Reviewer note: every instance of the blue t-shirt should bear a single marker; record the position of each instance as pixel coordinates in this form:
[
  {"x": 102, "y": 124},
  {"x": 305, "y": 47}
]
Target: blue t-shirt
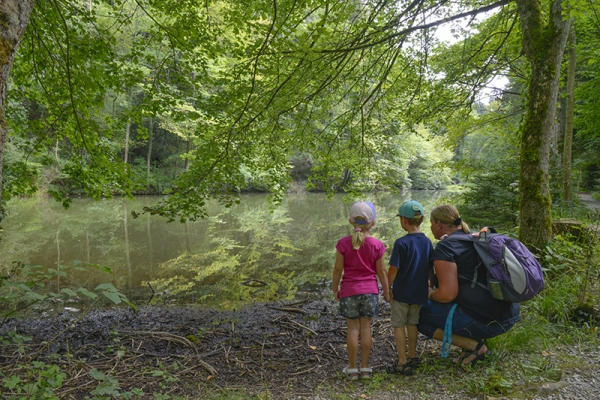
[
  {"x": 412, "y": 255},
  {"x": 475, "y": 301}
]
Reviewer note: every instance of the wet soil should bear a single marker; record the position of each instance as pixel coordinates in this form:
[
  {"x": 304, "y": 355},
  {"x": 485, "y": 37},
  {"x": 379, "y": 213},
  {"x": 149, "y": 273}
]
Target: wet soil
[
  {"x": 264, "y": 351},
  {"x": 287, "y": 349}
]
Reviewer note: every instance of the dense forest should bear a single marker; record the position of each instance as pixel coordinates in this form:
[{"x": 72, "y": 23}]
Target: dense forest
[{"x": 206, "y": 99}]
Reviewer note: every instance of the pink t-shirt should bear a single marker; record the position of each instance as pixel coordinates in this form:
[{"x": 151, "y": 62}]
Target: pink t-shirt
[{"x": 360, "y": 273}]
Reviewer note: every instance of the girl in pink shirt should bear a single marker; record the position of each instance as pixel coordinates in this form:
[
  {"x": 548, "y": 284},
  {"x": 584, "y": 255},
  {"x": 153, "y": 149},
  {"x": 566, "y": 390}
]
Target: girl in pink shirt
[{"x": 360, "y": 259}]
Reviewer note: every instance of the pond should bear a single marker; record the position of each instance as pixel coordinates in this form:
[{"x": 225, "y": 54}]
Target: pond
[{"x": 235, "y": 256}]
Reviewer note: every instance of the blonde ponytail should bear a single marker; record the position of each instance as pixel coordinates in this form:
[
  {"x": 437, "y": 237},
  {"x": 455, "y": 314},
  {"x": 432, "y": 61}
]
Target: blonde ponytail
[{"x": 359, "y": 234}]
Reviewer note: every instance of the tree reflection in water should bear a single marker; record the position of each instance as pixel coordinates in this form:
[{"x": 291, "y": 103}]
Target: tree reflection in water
[{"x": 289, "y": 248}]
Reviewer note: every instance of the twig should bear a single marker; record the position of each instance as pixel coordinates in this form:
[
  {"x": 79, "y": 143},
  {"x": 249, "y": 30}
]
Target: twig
[
  {"x": 333, "y": 348},
  {"x": 304, "y": 372},
  {"x": 288, "y": 309},
  {"x": 302, "y": 326}
]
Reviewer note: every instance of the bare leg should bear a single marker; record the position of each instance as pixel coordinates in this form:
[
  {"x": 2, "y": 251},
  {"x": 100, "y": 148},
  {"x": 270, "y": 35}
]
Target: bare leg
[
  {"x": 400, "y": 336},
  {"x": 366, "y": 340},
  {"x": 464, "y": 343},
  {"x": 412, "y": 340},
  {"x": 352, "y": 341}
]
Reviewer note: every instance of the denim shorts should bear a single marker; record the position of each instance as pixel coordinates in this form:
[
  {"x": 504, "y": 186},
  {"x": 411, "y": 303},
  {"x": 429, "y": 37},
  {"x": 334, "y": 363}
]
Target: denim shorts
[
  {"x": 360, "y": 305},
  {"x": 433, "y": 316}
]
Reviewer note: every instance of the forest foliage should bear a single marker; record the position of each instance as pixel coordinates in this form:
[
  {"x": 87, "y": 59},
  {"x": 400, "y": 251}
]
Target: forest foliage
[{"x": 218, "y": 97}]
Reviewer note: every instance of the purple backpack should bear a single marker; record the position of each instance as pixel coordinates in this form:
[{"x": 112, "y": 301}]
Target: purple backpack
[{"x": 514, "y": 274}]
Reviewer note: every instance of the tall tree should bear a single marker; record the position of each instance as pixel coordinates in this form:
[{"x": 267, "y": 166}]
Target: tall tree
[
  {"x": 277, "y": 77},
  {"x": 14, "y": 15},
  {"x": 567, "y": 161},
  {"x": 544, "y": 38}
]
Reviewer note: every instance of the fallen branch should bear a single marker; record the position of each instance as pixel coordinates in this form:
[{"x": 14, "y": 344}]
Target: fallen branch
[
  {"x": 304, "y": 372},
  {"x": 304, "y": 327},
  {"x": 288, "y": 309}
]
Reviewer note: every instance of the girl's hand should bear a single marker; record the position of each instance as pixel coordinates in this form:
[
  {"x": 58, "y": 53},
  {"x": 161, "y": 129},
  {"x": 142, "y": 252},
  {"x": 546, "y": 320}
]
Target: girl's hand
[
  {"x": 388, "y": 297},
  {"x": 336, "y": 294}
]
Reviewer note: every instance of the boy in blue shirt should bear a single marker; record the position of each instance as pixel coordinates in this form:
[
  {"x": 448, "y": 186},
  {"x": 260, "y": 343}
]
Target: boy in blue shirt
[{"x": 409, "y": 273}]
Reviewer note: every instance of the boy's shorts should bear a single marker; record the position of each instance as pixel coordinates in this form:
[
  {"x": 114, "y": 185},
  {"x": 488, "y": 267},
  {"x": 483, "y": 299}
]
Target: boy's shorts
[
  {"x": 360, "y": 305},
  {"x": 404, "y": 314}
]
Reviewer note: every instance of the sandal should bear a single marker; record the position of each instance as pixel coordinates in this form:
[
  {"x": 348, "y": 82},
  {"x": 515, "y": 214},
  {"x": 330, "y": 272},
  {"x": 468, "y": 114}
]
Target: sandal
[
  {"x": 351, "y": 373},
  {"x": 478, "y": 357},
  {"x": 415, "y": 362},
  {"x": 366, "y": 373},
  {"x": 406, "y": 369}
]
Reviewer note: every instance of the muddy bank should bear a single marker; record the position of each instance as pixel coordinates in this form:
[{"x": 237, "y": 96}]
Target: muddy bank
[
  {"x": 274, "y": 350},
  {"x": 287, "y": 349}
]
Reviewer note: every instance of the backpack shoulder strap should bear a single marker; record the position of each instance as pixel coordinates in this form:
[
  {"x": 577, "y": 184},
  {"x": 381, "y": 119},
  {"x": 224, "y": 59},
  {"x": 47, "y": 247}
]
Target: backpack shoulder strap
[{"x": 474, "y": 239}]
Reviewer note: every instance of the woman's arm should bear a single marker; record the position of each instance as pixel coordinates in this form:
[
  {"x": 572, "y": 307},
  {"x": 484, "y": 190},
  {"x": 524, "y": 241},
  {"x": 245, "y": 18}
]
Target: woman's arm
[
  {"x": 383, "y": 278},
  {"x": 338, "y": 268},
  {"x": 447, "y": 276}
]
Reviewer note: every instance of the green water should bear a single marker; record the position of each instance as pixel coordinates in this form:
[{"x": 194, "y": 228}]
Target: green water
[{"x": 237, "y": 255}]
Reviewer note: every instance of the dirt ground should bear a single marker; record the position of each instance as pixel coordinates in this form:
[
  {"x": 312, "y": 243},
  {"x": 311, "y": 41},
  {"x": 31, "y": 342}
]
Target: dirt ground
[
  {"x": 264, "y": 351},
  {"x": 288, "y": 349},
  {"x": 258, "y": 347}
]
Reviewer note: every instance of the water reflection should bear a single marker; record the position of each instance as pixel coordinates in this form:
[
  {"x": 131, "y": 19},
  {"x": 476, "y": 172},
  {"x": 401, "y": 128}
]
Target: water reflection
[{"x": 291, "y": 248}]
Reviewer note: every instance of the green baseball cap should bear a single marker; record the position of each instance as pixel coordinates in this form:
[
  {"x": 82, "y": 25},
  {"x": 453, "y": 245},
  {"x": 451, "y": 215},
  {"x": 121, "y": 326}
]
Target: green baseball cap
[{"x": 411, "y": 209}]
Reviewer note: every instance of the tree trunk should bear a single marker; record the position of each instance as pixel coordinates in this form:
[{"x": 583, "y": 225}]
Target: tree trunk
[
  {"x": 127, "y": 132},
  {"x": 149, "y": 155},
  {"x": 543, "y": 45},
  {"x": 14, "y": 15},
  {"x": 188, "y": 145},
  {"x": 568, "y": 140}
]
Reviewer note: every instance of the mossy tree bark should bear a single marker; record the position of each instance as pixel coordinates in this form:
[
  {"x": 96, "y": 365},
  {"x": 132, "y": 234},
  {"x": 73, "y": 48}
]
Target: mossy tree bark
[
  {"x": 568, "y": 141},
  {"x": 14, "y": 16},
  {"x": 544, "y": 40}
]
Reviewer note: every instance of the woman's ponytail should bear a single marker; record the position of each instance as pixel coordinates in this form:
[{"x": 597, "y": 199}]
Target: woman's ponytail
[{"x": 449, "y": 216}]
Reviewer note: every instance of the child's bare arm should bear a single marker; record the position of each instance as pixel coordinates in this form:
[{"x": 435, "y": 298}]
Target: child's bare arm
[
  {"x": 338, "y": 268},
  {"x": 392, "y": 272},
  {"x": 383, "y": 278}
]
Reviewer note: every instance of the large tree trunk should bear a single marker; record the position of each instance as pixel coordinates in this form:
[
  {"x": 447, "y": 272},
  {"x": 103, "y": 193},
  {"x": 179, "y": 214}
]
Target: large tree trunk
[
  {"x": 543, "y": 44},
  {"x": 568, "y": 140},
  {"x": 14, "y": 16}
]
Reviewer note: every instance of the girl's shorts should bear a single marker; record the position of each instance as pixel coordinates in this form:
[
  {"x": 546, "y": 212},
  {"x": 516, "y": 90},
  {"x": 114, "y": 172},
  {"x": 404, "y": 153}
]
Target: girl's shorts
[{"x": 360, "y": 305}]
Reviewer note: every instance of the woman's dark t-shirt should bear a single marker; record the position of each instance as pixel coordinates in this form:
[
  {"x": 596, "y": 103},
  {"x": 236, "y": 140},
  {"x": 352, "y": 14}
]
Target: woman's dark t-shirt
[{"x": 475, "y": 301}]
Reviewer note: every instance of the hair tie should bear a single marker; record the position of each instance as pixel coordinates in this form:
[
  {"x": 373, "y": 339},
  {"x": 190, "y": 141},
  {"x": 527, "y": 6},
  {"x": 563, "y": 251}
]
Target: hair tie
[
  {"x": 457, "y": 221},
  {"x": 357, "y": 229}
]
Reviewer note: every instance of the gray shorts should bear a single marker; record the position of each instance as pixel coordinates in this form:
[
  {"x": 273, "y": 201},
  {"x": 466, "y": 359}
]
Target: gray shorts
[
  {"x": 361, "y": 305},
  {"x": 404, "y": 314}
]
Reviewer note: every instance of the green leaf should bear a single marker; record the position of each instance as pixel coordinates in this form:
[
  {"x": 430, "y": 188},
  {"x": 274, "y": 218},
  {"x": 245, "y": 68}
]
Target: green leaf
[
  {"x": 112, "y": 296},
  {"x": 87, "y": 293},
  {"x": 106, "y": 286},
  {"x": 11, "y": 382},
  {"x": 97, "y": 375},
  {"x": 69, "y": 292}
]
